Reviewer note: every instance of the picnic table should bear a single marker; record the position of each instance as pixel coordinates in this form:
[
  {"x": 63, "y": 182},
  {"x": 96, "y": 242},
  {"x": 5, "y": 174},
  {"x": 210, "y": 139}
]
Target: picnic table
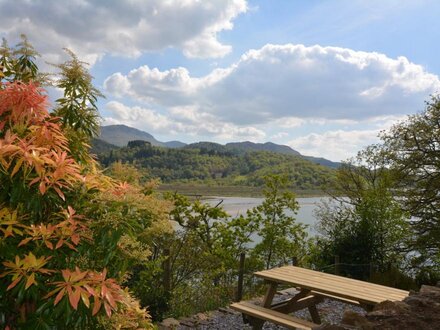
[{"x": 313, "y": 287}]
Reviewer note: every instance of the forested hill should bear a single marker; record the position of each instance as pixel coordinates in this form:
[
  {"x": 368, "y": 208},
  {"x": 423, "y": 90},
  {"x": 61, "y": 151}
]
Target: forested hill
[
  {"x": 211, "y": 163},
  {"x": 120, "y": 135}
]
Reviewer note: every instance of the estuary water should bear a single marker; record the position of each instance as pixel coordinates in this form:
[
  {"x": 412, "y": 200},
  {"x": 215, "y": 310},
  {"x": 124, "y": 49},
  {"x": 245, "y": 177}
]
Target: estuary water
[{"x": 239, "y": 205}]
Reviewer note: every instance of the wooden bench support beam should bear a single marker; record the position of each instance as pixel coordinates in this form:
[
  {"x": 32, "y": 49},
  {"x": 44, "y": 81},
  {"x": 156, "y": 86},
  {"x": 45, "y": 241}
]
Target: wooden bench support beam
[
  {"x": 314, "y": 314},
  {"x": 286, "y": 307}
]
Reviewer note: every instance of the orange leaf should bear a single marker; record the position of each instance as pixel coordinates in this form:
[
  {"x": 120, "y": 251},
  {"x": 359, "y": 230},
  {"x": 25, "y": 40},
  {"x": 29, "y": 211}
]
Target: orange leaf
[
  {"x": 85, "y": 298},
  {"x": 25, "y": 241},
  {"x": 75, "y": 239},
  {"x": 49, "y": 244},
  {"x": 30, "y": 281},
  {"x": 59, "y": 244},
  {"x": 42, "y": 188},
  {"x": 108, "y": 309},
  {"x": 74, "y": 298},
  {"x": 59, "y": 296},
  {"x": 18, "y": 279},
  {"x": 60, "y": 193},
  {"x": 96, "y": 306},
  {"x": 16, "y": 167},
  {"x": 110, "y": 299},
  {"x": 34, "y": 181}
]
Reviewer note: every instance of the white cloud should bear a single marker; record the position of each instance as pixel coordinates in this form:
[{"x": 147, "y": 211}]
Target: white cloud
[
  {"x": 289, "y": 83},
  {"x": 93, "y": 28},
  {"x": 180, "y": 120},
  {"x": 334, "y": 145}
]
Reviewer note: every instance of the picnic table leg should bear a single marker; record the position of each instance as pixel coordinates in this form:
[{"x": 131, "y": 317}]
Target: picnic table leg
[
  {"x": 314, "y": 314},
  {"x": 257, "y": 324}
]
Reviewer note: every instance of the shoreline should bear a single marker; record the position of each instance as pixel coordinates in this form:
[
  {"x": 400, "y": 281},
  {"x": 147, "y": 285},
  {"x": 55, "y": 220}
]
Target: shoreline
[{"x": 196, "y": 190}]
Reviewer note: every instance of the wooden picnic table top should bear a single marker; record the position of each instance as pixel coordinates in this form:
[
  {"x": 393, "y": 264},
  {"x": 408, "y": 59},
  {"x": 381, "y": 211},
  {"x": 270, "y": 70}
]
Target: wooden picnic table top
[{"x": 333, "y": 285}]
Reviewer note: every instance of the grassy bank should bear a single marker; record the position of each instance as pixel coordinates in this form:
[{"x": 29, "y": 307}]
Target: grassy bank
[{"x": 233, "y": 191}]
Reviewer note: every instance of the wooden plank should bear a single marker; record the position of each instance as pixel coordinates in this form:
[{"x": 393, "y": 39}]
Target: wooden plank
[
  {"x": 299, "y": 277},
  {"x": 360, "y": 296},
  {"x": 341, "y": 281},
  {"x": 326, "y": 295},
  {"x": 267, "y": 314},
  {"x": 352, "y": 287},
  {"x": 331, "y": 277},
  {"x": 318, "y": 284}
]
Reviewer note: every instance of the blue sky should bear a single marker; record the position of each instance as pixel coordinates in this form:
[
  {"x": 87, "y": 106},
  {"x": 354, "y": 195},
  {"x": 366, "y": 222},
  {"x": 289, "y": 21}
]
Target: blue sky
[{"x": 323, "y": 77}]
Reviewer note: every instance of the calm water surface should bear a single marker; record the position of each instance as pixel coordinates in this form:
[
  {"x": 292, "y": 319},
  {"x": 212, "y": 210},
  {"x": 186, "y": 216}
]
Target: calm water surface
[{"x": 238, "y": 205}]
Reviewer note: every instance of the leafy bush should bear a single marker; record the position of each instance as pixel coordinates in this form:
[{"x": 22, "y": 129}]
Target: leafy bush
[{"x": 55, "y": 269}]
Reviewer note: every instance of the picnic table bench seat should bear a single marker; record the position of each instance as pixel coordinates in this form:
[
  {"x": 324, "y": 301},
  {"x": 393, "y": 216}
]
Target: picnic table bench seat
[{"x": 259, "y": 312}]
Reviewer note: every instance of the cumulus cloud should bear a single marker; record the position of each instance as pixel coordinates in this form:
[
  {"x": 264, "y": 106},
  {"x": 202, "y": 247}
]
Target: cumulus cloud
[
  {"x": 180, "y": 120},
  {"x": 289, "y": 83},
  {"x": 334, "y": 145},
  {"x": 93, "y": 28}
]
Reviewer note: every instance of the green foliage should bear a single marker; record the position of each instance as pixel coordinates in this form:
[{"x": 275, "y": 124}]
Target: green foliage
[
  {"x": 281, "y": 236},
  {"x": 224, "y": 167},
  {"x": 413, "y": 151},
  {"x": 204, "y": 250},
  {"x": 366, "y": 225},
  {"x": 18, "y": 64},
  {"x": 77, "y": 108}
]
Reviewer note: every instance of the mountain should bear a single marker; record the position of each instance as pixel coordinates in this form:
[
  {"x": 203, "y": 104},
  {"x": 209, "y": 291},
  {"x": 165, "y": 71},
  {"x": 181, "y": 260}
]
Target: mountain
[{"x": 120, "y": 135}]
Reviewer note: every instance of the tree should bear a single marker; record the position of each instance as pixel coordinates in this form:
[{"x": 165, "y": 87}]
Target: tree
[
  {"x": 281, "y": 236},
  {"x": 363, "y": 223},
  {"x": 413, "y": 150}
]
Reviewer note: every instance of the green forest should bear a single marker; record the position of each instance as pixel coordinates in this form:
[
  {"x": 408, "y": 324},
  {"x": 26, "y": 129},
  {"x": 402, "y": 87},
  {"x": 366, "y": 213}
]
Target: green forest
[
  {"x": 213, "y": 164},
  {"x": 88, "y": 245}
]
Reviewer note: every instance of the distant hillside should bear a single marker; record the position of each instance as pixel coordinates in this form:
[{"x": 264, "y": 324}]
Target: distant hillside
[
  {"x": 268, "y": 146},
  {"x": 100, "y": 146},
  {"x": 214, "y": 164},
  {"x": 120, "y": 135},
  {"x": 174, "y": 144},
  {"x": 243, "y": 147}
]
